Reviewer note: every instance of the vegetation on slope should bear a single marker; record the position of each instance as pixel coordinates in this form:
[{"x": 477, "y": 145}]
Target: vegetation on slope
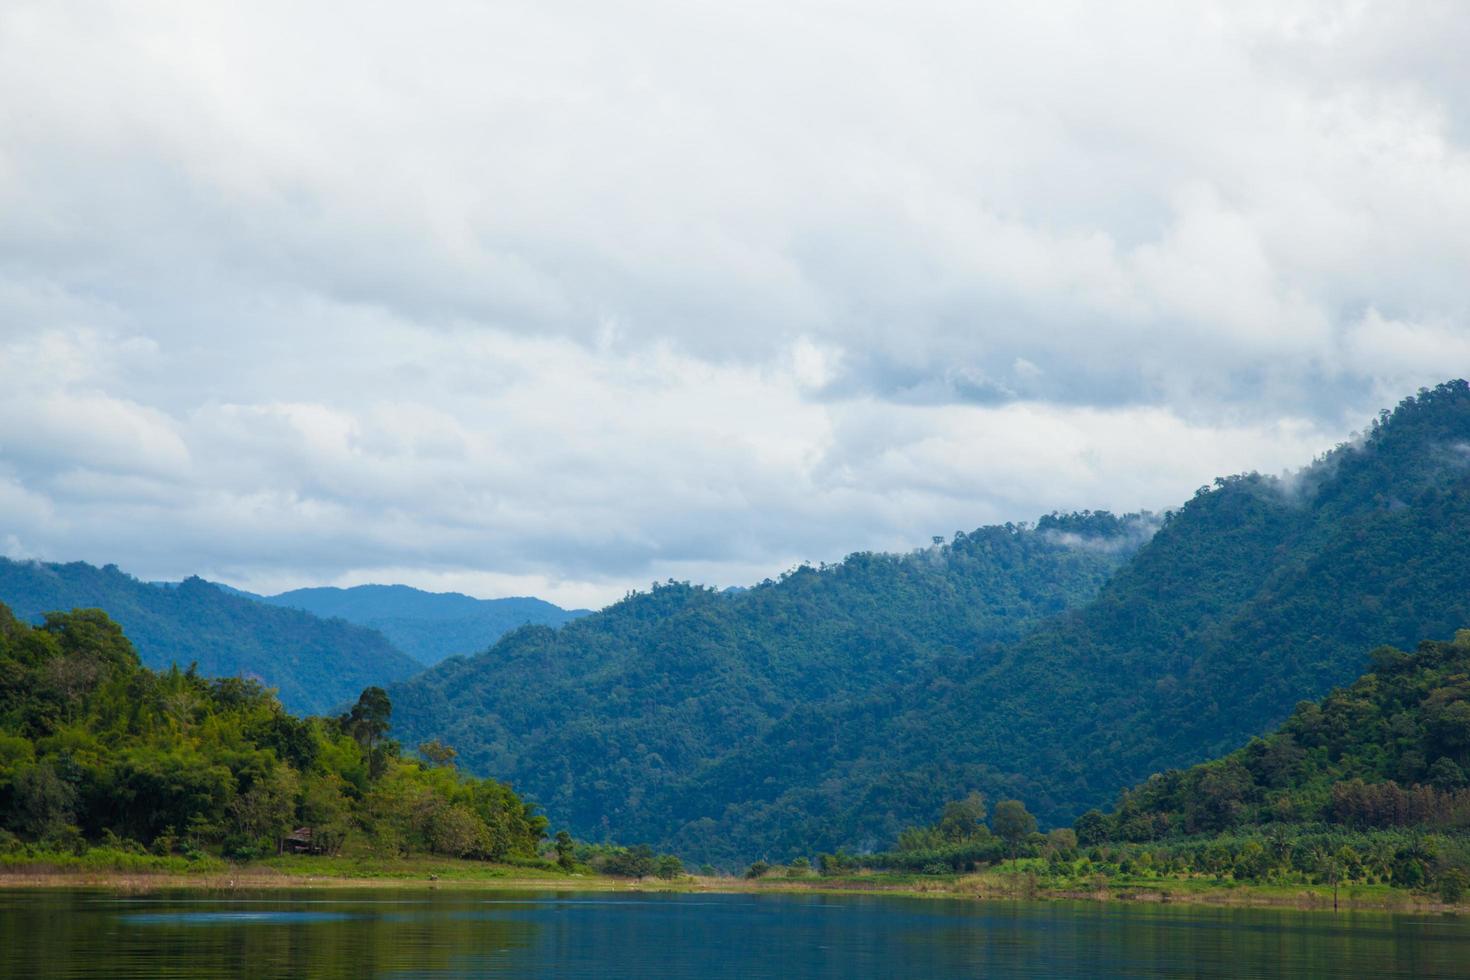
[
  {"x": 96, "y": 749},
  {"x": 605, "y": 719},
  {"x": 315, "y": 665},
  {"x": 1255, "y": 595},
  {"x": 1390, "y": 750},
  {"x": 1366, "y": 787},
  {"x": 837, "y": 706}
]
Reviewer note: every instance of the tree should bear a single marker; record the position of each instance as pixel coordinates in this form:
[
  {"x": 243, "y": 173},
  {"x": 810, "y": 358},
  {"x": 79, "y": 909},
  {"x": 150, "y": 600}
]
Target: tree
[
  {"x": 564, "y": 848},
  {"x": 963, "y": 819},
  {"x": 1012, "y": 823},
  {"x": 436, "y": 753},
  {"x": 91, "y": 633},
  {"x": 638, "y": 861},
  {"x": 1092, "y": 828},
  {"x": 326, "y": 811},
  {"x": 1452, "y": 882},
  {"x": 44, "y": 801},
  {"x": 367, "y": 722},
  {"x": 1445, "y": 775},
  {"x": 456, "y": 830},
  {"x": 1331, "y": 865}
]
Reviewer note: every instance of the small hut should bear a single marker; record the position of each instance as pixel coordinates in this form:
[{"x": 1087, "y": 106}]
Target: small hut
[{"x": 298, "y": 841}]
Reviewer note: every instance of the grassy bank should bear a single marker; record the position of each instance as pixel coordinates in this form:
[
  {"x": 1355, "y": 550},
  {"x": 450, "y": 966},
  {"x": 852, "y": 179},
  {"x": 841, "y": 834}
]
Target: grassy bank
[
  {"x": 1001, "y": 885},
  {"x": 100, "y": 868}
]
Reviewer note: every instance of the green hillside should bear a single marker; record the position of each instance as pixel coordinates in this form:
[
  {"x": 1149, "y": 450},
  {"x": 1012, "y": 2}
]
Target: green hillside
[
  {"x": 1366, "y": 786},
  {"x": 839, "y": 705},
  {"x": 96, "y": 749},
  {"x": 1392, "y": 749},
  {"x": 599, "y": 721},
  {"x": 316, "y": 665},
  {"x": 1255, "y": 595}
]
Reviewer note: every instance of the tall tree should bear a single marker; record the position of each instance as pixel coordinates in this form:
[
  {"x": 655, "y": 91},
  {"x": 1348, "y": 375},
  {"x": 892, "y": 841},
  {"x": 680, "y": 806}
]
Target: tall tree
[
  {"x": 963, "y": 819},
  {"x": 1012, "y": 823},
  {"x": 368, "y": 722}
]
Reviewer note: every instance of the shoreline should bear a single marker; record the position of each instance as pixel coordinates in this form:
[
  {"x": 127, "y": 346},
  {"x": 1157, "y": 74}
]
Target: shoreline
[{"x": 976, "y": 887}]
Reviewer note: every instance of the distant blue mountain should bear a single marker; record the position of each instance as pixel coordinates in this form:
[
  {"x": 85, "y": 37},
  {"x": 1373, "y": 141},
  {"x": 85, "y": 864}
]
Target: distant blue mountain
[
  {"x": 314, "y": 664},
  {"x": 428, "y": 626}
]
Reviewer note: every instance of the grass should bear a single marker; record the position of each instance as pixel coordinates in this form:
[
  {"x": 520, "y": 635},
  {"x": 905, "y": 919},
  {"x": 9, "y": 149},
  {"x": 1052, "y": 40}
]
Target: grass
[
  {"x": 102, "y": 867},
  {"x": 104, "y": 859}
]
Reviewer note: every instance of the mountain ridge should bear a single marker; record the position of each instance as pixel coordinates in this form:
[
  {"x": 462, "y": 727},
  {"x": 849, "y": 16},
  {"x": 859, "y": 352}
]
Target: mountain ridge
[
  {"x": 315, "y": 664},
  {"x": 428, "y": 626},
  {"x": 1252, "y": 595},
  {"x": 594, "y": 718}
]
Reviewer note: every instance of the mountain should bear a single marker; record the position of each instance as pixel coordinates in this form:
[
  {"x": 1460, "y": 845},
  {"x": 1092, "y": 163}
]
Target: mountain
[
  {"x": 1257, "y": 593},
  {"x": 428, "y": 626},
  {"x": 841, "y": 704},
  {"x": 316, "y": 665},
  {"x": 1367, "y": 785},
  {"x": 1390, "y": 750},
  {"x": 597, "y": 719}
]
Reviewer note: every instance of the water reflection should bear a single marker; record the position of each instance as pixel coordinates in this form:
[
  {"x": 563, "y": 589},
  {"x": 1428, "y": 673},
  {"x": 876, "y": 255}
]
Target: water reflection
[{"x": 443, "y": 934}]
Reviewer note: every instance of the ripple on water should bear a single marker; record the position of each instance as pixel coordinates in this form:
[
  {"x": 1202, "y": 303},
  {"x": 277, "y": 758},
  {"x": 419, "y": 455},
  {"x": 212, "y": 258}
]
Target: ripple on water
[{"x": 233, "y": 918}]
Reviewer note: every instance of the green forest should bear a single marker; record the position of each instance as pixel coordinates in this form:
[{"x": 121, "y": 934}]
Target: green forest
[
  {"x": 829, "y": 711},
  {"x": 1390, "y": 750},
  {"x": 97, "y": 751},
  {"x": 608, "y": 721},
  {"x": 1366, "y": 786},
  {"x": 315, "y": 665},
  {"x": 1053, "y": 664}
]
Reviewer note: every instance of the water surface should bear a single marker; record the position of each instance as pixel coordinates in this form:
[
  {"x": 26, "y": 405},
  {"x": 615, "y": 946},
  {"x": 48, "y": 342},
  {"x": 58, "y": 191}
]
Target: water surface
[{"x": 445, "y": 934}]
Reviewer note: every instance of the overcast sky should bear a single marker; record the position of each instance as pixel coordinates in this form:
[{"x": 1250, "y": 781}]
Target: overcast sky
[{"x": 561, "y": 298}]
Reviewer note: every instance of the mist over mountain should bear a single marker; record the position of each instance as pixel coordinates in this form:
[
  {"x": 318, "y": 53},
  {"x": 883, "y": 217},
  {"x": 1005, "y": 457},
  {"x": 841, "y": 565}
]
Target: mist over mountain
[
  {"x": 315, "y": 664},
  {"x": 1056, "y": 664},
  {"x": 428, "y": 626}
]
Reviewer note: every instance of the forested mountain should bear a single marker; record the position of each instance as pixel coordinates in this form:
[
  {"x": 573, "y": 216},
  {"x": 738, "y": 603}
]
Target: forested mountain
[
  {"x": 839, "y": 705},
  {"x": 1390, "y": 750},
  {"x": 622, "y": 708},
  {"x": 427, "y": 626},
  {"x": 95, "y": 748},
  {"x": 315, "y": 664},
  {"x": 1257, "y": 593},
  {"x": 1366, "y": 786}
]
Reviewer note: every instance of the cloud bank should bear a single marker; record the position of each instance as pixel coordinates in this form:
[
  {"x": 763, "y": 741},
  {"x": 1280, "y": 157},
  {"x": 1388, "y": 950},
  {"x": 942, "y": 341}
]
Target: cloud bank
[{"x": 563, "y": 298}]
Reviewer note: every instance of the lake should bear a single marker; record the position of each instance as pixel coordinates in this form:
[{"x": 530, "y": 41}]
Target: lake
[{"x": 446, "y": 934}]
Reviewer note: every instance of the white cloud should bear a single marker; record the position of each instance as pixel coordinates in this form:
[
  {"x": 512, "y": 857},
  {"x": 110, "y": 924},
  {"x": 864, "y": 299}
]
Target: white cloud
[{"x": 564, "y": 297}]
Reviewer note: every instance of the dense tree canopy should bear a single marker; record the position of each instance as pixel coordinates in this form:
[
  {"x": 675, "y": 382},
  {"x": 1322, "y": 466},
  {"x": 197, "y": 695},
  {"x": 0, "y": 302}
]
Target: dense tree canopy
[
  {"x": 646, "y": 721},
  {"x": 96, "y": 748},
  {"x": 1390, "y": 750}
]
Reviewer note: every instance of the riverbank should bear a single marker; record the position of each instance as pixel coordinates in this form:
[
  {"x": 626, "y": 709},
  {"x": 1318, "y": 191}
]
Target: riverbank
[{"x": 143, "y": 874}]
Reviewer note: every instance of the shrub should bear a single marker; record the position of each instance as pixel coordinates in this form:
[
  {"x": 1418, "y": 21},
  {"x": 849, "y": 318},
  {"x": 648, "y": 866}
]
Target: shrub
[
  {"x": 757, "y": 869},
  {"x": 1451, "y": 885}
]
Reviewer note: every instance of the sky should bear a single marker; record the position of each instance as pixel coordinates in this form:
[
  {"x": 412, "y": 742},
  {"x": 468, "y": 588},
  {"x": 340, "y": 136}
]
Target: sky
[{"x": 563, "y": 298}]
